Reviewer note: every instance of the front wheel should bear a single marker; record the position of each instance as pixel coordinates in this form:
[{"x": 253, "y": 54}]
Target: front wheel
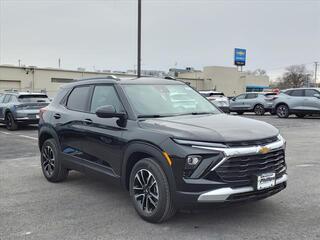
[
  {"x": 282, "y": 111},
  {"x": 150, "y": 191}
]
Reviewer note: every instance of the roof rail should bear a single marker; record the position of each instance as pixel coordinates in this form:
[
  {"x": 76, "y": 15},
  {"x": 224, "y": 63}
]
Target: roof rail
[{"x": 112, "y": 77}]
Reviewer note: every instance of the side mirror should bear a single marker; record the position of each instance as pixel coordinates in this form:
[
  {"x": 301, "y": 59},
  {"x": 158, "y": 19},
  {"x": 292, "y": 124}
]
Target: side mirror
[
  {"x": 317, "y": 95},
  {"x": 108, "y": 111}
]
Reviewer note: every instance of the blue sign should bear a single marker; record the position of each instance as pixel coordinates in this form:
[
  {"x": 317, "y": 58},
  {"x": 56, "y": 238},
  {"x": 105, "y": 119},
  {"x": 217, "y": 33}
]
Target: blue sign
[{"x": 240, "y": 56}]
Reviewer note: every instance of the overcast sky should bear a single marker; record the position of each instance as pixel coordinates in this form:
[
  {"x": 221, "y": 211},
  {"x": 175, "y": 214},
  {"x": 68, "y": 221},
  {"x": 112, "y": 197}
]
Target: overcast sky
[{"x": 175, "y": 33}]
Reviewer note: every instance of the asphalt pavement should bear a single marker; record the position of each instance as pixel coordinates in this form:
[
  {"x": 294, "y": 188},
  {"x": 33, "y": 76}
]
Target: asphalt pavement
[{"x": 84, "y": 207}]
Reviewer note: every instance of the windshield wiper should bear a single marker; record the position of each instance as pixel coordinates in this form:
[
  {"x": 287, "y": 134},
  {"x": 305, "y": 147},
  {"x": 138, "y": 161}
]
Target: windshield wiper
[
  {"x": 197, "y": 113},
  {"x": 151, "y": 116}
]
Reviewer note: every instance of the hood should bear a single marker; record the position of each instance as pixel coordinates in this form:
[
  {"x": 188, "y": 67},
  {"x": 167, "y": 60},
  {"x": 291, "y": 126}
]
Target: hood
[{"x": 211, "y": 128}]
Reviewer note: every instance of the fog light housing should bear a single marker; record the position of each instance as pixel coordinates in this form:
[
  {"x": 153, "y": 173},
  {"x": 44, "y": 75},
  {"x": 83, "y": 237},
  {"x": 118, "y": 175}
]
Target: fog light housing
[{"x": 193, "y": 161}]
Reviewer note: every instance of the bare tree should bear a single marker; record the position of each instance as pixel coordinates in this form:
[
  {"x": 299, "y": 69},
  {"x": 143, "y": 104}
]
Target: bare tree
[
  {"x": 295, "y": 76},
  {"x": 257, "y": 72}
]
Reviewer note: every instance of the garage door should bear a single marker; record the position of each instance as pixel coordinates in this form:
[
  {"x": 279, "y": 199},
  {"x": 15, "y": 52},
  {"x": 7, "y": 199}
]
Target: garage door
[{"x": 7, "y": 84}]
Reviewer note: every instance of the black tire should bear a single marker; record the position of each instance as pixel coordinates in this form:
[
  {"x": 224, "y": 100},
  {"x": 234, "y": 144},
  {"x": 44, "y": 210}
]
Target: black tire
[
  {"x": 239, "y": 113},
  {"x": 300, "y": 115},
  {"x": 143, "y": 194},
  {"x": 11, "y": 124},
  {"x": 51, "y": 162},
  {"x": 259, "y": 110},
  {"x": 282, "y": 111}
]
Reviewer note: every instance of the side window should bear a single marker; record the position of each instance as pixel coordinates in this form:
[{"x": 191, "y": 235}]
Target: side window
[
  {"x": 78, "y": 99},
  {"x": 105, "y": 95},
  {"x": 251, "y": 95},
  {"x": 1, "y": 98},
  {"x": 240, "y": 97},
  {"x": 6, "y": 98},
  {"x": 297, "y": 93},
  {"x": 310, "y": 92}
]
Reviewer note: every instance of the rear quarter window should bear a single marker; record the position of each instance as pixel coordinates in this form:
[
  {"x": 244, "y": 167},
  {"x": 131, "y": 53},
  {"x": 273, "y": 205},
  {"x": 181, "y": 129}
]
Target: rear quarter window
[{"x": 78, "y": 99}]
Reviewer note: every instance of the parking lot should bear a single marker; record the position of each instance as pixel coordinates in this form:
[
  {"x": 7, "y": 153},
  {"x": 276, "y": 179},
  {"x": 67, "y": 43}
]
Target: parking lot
[{"x": 86, "y": 208}]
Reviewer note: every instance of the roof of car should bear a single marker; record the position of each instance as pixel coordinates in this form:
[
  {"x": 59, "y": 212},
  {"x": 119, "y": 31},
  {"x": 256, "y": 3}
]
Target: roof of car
[
  {"x": 22, "y": 93},
  {"x": 301, "y": 88},
  {"x": 126, "y": 81}
]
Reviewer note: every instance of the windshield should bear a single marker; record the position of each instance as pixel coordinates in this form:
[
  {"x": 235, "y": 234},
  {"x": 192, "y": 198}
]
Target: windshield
[
  {"x": 33, "y": 98},
  {"x": 167, "y": 100}
]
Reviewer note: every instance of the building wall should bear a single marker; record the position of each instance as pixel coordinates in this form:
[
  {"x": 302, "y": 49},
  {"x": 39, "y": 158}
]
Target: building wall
[
  {"x": 225, "y": 79},
  {"x": 47, "y": 79}
]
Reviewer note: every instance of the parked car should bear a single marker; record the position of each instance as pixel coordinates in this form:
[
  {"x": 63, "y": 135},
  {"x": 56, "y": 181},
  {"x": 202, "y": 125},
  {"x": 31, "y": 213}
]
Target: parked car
[
  {"x": 298, "y": 101},
  {"x": 20, "y": 108},
  {"x": 218, "y": 98},
  {"x": 259, "y": 103},
  {"x": 166, "y": 156}
]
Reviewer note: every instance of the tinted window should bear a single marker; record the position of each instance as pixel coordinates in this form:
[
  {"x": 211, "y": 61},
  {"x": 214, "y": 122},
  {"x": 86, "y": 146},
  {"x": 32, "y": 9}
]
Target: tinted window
[
  {"x": 7, "y": 98},
  {"x": 251, "y": 95},
  {"x": 310, "y": 92},
  {"x": 78, "y": 99},
  {"x": 105, "y": 95},
  {"x": 241, "y": 97},
  {"x": 297, "y": 93},
  {"x": 1, "y": 98},
  {"x": 33, "y": 98}
]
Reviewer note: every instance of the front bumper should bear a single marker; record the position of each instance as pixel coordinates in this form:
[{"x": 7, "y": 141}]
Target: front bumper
[
  {"x": 222, "y": 194},
  {"x": 206, "y": 190}
]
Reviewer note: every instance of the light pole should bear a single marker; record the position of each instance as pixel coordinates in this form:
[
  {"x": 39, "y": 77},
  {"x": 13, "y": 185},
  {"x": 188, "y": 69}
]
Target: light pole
[{"x": 139, "y": 40}]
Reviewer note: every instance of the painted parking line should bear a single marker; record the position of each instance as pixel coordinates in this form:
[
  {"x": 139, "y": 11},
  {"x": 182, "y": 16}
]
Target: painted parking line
[
  {"x": 25, "y": 136},
  {"x": 20, "y": 135}
]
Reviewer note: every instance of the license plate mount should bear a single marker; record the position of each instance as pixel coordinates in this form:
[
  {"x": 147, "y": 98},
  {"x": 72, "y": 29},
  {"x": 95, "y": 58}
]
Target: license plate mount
[{"x": 265, "y": 181}]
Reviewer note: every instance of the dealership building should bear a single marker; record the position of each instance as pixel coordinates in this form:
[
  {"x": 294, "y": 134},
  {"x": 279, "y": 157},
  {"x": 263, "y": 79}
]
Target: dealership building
[{"x": 226, "y": 79}]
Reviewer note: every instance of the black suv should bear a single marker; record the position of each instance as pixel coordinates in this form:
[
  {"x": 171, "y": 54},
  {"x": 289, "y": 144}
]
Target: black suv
[{"x": 168, "y": 154}]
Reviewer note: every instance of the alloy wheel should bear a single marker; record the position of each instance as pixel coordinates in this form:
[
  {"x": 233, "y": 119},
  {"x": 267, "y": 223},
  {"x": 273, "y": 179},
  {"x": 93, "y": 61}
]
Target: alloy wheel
[
  {"x": 282, "y": 111},
  {"x": 48, "y": 160},
  {"x": 146, "y": 192},
  {"x": 259, "y": 110}
]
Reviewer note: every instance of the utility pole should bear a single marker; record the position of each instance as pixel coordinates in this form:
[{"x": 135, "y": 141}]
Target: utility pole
[
  {"x": 139, "y": 40},
  {"x": 59, "y": 62},
  {"x": 19, "y": 62},
  {"x": 315, "y": 72}
]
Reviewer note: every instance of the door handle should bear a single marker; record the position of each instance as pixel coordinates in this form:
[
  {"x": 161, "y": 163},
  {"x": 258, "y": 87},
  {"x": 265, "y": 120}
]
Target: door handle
[
  {"x": 88, "y": 121},
  {"x": 57, "y": 116}
]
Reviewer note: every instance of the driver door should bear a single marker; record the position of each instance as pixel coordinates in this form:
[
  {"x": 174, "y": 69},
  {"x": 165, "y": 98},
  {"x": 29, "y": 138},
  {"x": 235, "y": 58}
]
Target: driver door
[{"x": 103, "y": 143}]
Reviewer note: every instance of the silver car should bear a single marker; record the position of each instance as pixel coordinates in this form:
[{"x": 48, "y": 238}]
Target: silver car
[
  {"x": 298, "y": 101},
  {"x": 17, "y": 108},
  {"x": 259, "y": 103}
]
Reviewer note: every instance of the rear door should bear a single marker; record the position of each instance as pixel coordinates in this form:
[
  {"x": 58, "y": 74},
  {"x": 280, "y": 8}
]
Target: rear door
[
  {"x": 297, "y": 98},
  {"x": 103, "y": 143},
  {"x": 311, "y": 102},
  {"x": 69, "y": 120}
]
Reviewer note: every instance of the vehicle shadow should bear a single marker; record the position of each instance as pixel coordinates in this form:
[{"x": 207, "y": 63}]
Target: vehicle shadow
[
  {"x": 31, "y": 127},
  {"x": 194, "y": 218}
]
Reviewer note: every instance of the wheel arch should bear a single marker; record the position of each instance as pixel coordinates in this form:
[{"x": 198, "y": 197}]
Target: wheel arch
[
  {"x": 281, "y": 103},
  {"x": 45, "y": 133},
  {"x": 138, "y": 150}
]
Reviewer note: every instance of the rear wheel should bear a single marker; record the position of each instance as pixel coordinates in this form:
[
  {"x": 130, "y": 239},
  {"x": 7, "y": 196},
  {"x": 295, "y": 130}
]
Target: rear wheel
[
  {"x": 259, "y": 110},
  {"x": 150, "y": 191},
  {"x": 10, "y": 122},
  {"x": 300, "y": 115},
  {"x": 51, "y": 163},
  {"x": 282, "y": 111}
]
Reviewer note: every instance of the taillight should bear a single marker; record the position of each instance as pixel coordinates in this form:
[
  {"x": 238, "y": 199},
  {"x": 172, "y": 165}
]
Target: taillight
[{"x": 42, "y": 111}]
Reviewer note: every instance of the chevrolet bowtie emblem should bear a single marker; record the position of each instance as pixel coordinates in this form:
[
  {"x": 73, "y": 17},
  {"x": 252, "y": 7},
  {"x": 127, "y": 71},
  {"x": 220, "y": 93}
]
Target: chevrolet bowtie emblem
[{"x": 264, "y": 150}]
